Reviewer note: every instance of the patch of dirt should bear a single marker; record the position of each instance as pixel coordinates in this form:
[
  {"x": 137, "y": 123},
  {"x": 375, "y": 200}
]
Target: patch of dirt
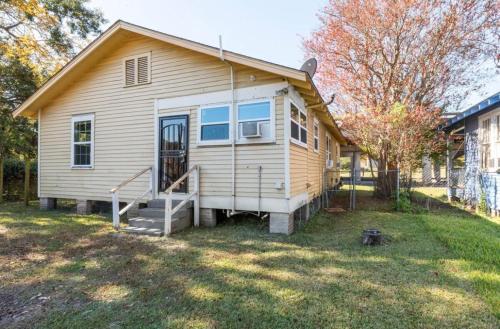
[{"x": 14, "y": 309}]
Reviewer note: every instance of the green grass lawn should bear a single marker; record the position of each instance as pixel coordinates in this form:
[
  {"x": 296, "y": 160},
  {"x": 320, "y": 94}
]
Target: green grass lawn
[{"x": 436, "y": 270}]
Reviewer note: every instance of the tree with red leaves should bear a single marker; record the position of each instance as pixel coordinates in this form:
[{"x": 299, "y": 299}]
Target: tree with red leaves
[{"x": 394, "y": 65}]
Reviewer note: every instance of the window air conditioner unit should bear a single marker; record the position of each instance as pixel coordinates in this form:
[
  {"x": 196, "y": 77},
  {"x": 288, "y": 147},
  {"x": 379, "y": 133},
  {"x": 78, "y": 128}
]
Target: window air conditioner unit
[
  {"x": 250, "y": 129},
  {"x": 329, "y": 163}
]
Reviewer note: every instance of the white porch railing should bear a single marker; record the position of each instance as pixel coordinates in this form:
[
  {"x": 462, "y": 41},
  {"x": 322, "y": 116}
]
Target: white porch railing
[
  {"x": 195, "y": 196},
  {"x": 115, "y": 196}
]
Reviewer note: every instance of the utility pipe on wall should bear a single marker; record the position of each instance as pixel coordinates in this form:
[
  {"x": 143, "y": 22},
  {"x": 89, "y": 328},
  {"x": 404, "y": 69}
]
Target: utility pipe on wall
[{"x": 233, "y": 131}]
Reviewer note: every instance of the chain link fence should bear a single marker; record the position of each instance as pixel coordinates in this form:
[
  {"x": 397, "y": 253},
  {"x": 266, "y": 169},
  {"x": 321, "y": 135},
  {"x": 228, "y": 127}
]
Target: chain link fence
[{"x": 359, "y": 188}]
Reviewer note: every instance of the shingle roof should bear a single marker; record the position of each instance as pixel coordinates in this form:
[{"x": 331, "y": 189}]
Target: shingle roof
[{"x": 484, "y": 105}]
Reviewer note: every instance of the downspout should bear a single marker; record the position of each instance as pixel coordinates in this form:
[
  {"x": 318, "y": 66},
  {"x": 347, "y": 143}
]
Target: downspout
[{"x": 233, "y": 131}]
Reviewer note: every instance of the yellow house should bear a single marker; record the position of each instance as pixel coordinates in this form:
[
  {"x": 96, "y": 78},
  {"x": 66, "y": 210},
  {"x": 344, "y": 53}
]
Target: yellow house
[{"x": 140, "y": 117}]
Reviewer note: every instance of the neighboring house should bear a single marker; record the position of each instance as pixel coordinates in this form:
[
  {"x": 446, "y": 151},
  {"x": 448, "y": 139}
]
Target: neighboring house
[
  {"x": 474, "y": 135},
  {"x": 137, "y": 102}
]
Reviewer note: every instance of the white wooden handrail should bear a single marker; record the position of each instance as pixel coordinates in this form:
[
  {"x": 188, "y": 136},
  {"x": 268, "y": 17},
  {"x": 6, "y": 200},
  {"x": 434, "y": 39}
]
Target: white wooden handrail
[
  {"x": 115, "y": 195},
  {"x": 195, "y": 196},
  {"x": 128, "y": 180},
  {"x": 181, "y": 179}
]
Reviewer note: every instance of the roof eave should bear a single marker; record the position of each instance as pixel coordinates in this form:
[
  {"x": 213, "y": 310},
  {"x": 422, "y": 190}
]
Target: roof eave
[
  {"x": 188, "y": 44},
  {"x": 337, "y": 132}
]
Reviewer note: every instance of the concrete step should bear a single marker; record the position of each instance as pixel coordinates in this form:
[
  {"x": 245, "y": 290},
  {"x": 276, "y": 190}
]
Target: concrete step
[
  {"x": 159, "y": 223},
  {"x": 140, "y": 224},
  {"x": 160, "y": 203},
  {"x": 143, "y": 231},
  {"x": 147, "y": 222},
  {"x": 160, "y": 213}
]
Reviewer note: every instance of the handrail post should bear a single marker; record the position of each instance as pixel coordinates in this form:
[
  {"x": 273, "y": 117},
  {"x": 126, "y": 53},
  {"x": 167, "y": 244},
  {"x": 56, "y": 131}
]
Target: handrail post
[
  {"x": 197, "y": 197},
  {"x": 116, "y": 210},
  {"x": 168, "y": 214}
]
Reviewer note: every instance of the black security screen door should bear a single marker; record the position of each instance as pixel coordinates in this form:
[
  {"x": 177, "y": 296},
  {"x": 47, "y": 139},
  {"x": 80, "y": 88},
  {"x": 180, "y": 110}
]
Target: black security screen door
[{"x": 173, "y": 151}]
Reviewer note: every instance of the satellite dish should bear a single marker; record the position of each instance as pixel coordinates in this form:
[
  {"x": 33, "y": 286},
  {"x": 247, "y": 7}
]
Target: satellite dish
[{"x": 310, "y": 66}]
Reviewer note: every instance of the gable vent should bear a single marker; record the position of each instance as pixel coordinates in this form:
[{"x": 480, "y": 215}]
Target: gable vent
[
  {"x": 143, "y": 69},
  {"x": 137, "y": 70},
  {"x": 130, "y": 72}
]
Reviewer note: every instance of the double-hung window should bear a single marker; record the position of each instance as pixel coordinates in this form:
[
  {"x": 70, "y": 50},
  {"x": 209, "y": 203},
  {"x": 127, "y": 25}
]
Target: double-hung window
[
  {"x": 254, "y": 120},
  {"x": 215, "y": 124},
  {"x": 498, "y": 128},
  {"x": 329, "y": 155},
  {"x": 485, "y": 144},
  {"x": 316, "y": 135},
  {"x": 298, "y": 125},
  {"x": 82, "y": 141}
]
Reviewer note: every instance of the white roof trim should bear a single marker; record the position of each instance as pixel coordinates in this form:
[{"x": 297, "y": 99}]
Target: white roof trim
[{"x": 195, "y": 46}]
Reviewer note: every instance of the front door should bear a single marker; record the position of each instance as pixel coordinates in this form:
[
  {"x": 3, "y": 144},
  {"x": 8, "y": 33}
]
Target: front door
[{"x": 174, "y": 134}]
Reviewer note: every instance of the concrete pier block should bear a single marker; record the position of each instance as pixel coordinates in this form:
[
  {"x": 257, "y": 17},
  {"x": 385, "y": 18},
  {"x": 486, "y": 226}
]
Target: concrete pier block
[
  {"x": 281, "y": 223},
  {"x": 48, "y": 203},
  {"x": 208, "y": 217},
  {"x": 84, "y": 207}
]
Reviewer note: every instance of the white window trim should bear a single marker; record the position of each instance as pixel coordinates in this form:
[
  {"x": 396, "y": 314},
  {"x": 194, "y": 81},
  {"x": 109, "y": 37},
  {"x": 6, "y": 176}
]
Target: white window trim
[
  {"x": 271, "y": 119},
  {"x": 293, "y": 140},
  {"x": 78, "y": 118},
  {"x": 220, "y": 141},
  {"x": 497, "y": 126},
  {"x": 316, "y": 137},
  {"x": 124, "y": 70},
  {"x": 494, "y": 142},
  {"x": 328, "y": 150},
  {"x": 337, "y": 154}
]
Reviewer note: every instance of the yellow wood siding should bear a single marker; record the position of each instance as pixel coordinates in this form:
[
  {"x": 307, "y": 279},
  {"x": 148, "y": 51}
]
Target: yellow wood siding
[
  {"x": 124, "y": 126},
  {"x": 215, "y": 162},
  {"x": 306, "y": 165}
]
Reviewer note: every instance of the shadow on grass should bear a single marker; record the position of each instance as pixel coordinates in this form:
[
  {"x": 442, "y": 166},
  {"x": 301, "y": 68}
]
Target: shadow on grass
[{"x": 234, "y": 275}]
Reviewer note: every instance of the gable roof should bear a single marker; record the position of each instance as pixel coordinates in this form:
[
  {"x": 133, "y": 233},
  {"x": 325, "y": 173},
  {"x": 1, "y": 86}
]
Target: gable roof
[
  {"x": 117, "y": 32},
  {"x": 486, "y": 104}
]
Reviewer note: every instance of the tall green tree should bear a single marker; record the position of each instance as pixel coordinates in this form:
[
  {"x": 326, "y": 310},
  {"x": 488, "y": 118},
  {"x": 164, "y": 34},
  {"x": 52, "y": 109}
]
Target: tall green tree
[
  {"x": 37, "y": 37},
  {"x": 17, "y": 82},
  {"x": 6, "y": 144},
  {"x": 26, "y": 147}
]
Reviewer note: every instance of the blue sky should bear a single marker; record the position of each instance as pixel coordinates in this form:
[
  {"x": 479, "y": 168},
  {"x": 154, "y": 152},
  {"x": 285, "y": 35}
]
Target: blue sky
[{"x": 267, "y": 29}]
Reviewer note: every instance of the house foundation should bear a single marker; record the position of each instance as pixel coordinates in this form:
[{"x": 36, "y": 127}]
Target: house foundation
[
  {"x": 281, "y": 223},
  {"x": 48, "y": 203},
  {"x": 84, "y": 207},
  {"x": 208, "y": 217}
]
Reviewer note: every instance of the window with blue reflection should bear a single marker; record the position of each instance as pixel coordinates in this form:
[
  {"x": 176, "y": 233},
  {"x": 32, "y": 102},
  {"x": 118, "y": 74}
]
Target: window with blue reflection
[
  {"x": 215, "y": 132},
  {"x": 255, "y": 111},
  {"x": 215, "y": 123},
  {"x": 215, "y": 114}
]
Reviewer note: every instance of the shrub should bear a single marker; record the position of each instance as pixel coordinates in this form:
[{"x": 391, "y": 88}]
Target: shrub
[
  {"x": 405, "y": 204},
  {"x": 482, "y": 205}
]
